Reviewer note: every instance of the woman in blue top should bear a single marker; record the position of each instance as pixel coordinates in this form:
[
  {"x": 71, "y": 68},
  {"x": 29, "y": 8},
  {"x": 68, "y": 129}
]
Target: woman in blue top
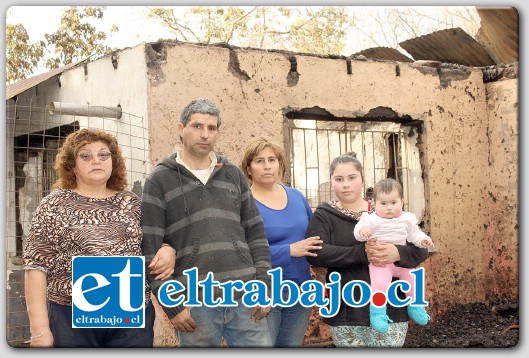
[{"x": 286, "y": 216}]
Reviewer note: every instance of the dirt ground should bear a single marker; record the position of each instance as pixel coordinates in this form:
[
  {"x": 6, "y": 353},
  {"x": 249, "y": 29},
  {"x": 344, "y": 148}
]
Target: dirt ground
[{"x": 476, "y": 325}]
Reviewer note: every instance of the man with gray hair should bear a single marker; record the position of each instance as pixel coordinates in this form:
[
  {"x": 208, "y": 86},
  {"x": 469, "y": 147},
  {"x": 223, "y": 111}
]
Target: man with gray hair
[{"x": 199, "y": 205}]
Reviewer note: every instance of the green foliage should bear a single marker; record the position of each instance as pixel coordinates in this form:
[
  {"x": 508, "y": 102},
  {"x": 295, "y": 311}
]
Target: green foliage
[
  {"x": 206, "y": 24},
  {"x": 320, "y": 29},
  {"x": 338, "y": 30},
  {"x": 22, "y": 56},
  {"x": 76, "y": 38}
]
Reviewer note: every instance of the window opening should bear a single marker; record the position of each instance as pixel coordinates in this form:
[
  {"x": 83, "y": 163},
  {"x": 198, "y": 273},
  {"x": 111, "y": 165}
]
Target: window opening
[{"x": 385, "y": 149}]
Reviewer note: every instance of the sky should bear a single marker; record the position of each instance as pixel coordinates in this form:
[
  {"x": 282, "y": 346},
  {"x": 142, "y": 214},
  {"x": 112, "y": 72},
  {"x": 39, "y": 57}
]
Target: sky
[
  {"x": 132, "y": 21},
  {"x": 133, "y": 25}
]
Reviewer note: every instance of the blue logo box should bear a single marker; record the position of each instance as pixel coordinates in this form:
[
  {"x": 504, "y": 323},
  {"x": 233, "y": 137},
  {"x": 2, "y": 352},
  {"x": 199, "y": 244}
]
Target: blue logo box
[{"x": 108, "y": 292}]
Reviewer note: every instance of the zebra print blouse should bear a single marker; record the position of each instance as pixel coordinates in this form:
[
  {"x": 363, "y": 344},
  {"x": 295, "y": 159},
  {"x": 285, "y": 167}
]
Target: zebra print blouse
[{"x": 67, "y": 224}]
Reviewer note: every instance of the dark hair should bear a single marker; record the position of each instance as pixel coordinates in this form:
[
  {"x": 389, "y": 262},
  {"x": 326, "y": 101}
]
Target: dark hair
[
  {"x": 254, "y": 148},
  {"x": 200, "y": 105},
  {"x": 387, "y": 186},
  {"x": 349, "y": 157},
  {"x": 65, "y": 159}
]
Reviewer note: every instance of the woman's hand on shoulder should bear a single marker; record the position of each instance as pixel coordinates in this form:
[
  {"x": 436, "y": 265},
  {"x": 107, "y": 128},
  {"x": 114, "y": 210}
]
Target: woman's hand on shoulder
[{"x": 304, "y": 247}]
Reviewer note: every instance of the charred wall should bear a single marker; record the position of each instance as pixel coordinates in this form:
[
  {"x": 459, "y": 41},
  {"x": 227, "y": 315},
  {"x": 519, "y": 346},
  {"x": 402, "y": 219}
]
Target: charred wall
[{"x": 468, "y": 143}]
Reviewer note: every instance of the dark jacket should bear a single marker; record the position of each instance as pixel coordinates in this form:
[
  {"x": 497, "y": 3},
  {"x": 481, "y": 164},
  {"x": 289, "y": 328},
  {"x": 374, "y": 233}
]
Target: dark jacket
[
  {"x": 215, "y": 227},
  {"x": 342, "y": 253}
]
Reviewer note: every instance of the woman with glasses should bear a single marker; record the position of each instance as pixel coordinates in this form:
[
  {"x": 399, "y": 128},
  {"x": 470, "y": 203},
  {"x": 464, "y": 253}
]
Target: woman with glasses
[{"x": 89, "y": 214}]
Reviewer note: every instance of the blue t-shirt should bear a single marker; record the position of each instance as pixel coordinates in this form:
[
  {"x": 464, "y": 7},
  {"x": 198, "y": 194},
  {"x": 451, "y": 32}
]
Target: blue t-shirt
[{"x": 284, "y": 227}]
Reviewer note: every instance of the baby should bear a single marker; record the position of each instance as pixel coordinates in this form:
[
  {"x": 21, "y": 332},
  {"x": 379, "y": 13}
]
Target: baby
[{"x": 389, "y": 223}]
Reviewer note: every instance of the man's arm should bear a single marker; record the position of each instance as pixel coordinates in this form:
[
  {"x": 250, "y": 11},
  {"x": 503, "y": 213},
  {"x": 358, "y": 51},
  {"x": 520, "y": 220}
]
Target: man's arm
[{"x": 152, "y": 221}]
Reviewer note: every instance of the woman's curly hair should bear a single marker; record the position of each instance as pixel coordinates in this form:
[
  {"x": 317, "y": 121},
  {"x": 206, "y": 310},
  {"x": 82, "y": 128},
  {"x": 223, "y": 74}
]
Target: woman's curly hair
[{"x": 65, "y": 160}]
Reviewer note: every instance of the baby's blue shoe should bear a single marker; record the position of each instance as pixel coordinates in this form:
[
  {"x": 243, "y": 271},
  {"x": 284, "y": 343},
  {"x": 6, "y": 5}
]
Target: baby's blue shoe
[
  {"x": 379, "y": 320},
  {"x": 418, "y": 314}
]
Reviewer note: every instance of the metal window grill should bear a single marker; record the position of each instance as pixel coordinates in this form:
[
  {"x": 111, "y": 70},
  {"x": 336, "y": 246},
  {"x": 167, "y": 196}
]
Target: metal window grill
[
  {"x": 383, "y": 148},
  {"x": 33, "y": 139}
]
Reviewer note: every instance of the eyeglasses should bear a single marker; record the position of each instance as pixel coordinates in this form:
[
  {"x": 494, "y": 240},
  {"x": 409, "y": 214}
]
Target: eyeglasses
[{"x": 88, "y": 156}]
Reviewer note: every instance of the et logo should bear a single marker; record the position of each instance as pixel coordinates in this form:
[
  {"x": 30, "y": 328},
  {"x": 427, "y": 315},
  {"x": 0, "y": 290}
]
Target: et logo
[{"x": 108, "y": 292}]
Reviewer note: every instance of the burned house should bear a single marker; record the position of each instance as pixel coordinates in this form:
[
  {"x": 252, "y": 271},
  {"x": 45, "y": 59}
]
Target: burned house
[{"x": 447, "y": 128}]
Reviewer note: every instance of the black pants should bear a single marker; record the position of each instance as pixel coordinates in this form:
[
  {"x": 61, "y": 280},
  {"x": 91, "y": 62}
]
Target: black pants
[{"x": 65, "y": 336}]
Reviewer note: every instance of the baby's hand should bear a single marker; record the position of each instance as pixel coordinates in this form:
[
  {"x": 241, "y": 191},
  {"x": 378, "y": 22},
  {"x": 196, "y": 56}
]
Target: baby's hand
[
  {"x": 427, "y": 242},
  {"x": 365, "y": 233}
]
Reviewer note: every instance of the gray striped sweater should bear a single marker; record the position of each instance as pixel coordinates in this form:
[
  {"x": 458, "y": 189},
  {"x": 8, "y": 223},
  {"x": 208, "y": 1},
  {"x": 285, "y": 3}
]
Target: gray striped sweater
[{"x": 214, "y": 227}]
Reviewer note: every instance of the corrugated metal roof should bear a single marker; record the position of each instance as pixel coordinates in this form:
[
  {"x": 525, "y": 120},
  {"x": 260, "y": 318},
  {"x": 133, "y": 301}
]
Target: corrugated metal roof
[
  {"x": 384, "y": 53},
  {"x": 451, "y": 46},
  {"x": 499, "y": 33},
  {"x": 23, "y": 85}
]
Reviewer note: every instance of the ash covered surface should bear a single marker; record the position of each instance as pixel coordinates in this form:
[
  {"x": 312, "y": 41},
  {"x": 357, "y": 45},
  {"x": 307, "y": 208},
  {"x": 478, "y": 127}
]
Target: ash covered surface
[{"x": 475, "y": 325}]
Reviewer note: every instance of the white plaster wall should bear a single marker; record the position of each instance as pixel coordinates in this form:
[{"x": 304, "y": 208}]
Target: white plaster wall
[{"x": 101, "y": 86}]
